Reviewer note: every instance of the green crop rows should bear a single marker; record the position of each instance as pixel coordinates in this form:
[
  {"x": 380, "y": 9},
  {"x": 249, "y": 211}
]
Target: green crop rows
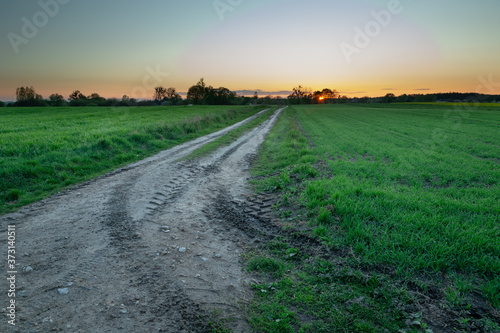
[{"x": 407, "y": 189}]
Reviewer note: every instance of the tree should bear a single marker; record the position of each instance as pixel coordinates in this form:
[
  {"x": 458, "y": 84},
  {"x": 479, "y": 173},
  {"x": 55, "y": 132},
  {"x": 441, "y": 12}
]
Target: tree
[
  {"x": 126, "y": 101},
  {"x": 56, "y": 100},
  {"x": 173, "y": 96},
  {"x": 77, "y": 96},
  {"x": 169, "y": 94},
  {"x": 425, "y": 98},
  {"x": 27, "y": 96},
  {"x": 160, "y": 94},
  {"x": 343, "y": 99},
  {"x": 402, "y": 99},
  {"x": 197, "y": 93},
  {"x": 95, "y": 99},
  {"x": 325, "y": 95},
  {"x": 318, "y": 97},
  {"x": 219, "y": 96},
  {"x": 301, "y": 95},
  {"x": 389, "y": 98},
  {"x": 201, "y": 94},
  {"x": 329, "y": 94},
  {"x": 298, "y": 93},
  {"x": 2, "y": 104},
  {"x": 24, "y": 94}
]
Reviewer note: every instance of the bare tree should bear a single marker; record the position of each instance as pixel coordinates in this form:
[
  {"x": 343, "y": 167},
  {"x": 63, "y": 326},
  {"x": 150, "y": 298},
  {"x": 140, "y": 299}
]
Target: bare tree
[
  {"x": 171, "y": 93},
  {"x": 160, "y": 93},
  {"x": 298, "y": 93}
]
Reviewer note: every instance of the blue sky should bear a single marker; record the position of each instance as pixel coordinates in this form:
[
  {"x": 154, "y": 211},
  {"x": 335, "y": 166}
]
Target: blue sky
[{"x": 112, "y": 47}]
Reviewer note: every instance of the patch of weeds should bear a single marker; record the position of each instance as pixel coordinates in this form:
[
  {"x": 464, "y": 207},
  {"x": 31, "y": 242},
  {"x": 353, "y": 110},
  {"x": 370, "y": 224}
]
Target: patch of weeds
[
  {"x": 285, "y": 213},
  {"x": 13, "y": 195},
  {"x": 488, "y": 325},
  {"x": 272, "y": 317},
  {"x": 454, "y": 297},
  {"x": 305, "y": 171},
  {"x": 492, "y": 290},
  {"x": 292, "y": 253},
  {"x": 265, "y": 265},
  {"x": 277, "y": 245},
  {"x": 285, "y": 199},
  {"x": 217, "y": 323},
  {"x": 325, "y": 216},
  {"x": 275, "y": 183},
  {"x": 463, "y": 284}
]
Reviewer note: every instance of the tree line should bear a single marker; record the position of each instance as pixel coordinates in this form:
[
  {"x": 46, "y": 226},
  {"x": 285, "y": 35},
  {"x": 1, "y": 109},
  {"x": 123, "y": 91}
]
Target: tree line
[
  {"x": 199, "y": 94},
  {"x": 301, "y": 95},
  {"x": 203, "y": 94}
]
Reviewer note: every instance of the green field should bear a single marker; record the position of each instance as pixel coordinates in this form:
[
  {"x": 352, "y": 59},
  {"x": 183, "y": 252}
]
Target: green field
[
  {"x": 45, "y": 149},
  {"x": 405, "y": 197},
  {"x": 402, "y": 201}
]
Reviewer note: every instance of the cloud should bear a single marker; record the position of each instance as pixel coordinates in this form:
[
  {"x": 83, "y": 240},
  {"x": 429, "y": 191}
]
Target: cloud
[
  {"x": 247, "y": 92},
  {"x": 422, "y": 89}
]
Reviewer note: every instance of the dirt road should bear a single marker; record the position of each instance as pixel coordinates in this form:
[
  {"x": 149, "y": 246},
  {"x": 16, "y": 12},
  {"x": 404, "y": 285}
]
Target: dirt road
[{"x": 142, "y": 249}]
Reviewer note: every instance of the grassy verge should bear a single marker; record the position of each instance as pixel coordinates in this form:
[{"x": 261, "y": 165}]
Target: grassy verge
[
  {"x": 43, "y": 150},
  {"x": 230, "y": 137},
  {"x": 410, "y": 227}
]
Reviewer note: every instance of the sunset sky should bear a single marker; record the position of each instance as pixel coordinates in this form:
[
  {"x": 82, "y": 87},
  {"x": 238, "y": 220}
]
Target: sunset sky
[{"x": 118, "y": 47}]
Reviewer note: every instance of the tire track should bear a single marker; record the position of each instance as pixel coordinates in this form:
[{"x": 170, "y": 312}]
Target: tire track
[{"x": 133, "y": 250}]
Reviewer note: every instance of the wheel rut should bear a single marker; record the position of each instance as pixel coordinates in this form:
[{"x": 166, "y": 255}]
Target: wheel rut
[{"x": 137, "y": 250}]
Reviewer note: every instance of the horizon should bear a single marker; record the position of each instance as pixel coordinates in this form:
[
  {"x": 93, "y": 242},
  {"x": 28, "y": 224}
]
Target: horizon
[
  {"x": 285, "y": 96},
  {"x": 360, "y": 48}
]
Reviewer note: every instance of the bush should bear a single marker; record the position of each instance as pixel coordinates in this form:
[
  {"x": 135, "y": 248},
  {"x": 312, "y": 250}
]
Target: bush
[{"x": 2, "y": 104}]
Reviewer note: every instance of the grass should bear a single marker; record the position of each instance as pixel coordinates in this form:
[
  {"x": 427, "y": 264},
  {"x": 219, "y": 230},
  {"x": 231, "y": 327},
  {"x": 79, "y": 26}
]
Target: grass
[
  {"x": 230, "y": 137},
  {"x": 322, "y": 297},
  {"x": 46, "y": 149},
  {"x": 471, "y": 104},
  {"x": 412, "y": 190}
]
